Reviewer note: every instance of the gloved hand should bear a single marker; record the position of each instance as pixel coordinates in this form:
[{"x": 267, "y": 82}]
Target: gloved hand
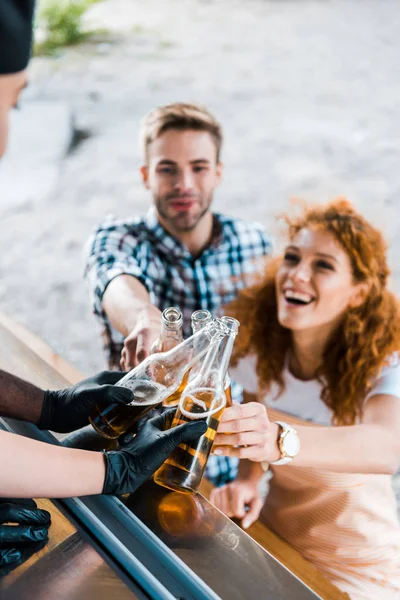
[
  {"x": 29, "y": 535},
  {"x": 139, "y": 457},
  {"x": 69, "y": 409}
]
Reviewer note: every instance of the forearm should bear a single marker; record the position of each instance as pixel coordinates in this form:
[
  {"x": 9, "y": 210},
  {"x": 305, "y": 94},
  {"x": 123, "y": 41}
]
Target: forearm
[
  {"x": 124, "y": 300},
  {"x": 362, "y": 448},
  {"x": 35, "y": 469},
  {"x": 19, "y": 399}
]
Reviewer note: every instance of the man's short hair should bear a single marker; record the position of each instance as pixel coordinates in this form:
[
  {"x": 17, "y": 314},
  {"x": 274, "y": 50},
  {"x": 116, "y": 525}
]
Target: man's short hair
[
  {"x": 15, "y": 34},
  {"x": 181, "y": 117}
]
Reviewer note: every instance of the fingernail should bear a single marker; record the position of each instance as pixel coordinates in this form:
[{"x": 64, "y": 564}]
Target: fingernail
[
  {"x": 246, "y": 524},
  {"x": 217, "y": 451}
]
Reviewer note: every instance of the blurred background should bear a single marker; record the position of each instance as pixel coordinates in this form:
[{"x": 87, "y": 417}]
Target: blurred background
[{"x": 307, "y": 91}]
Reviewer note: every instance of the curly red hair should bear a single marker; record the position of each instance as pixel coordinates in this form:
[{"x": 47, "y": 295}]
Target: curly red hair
[{"x": 367, "y": 335}]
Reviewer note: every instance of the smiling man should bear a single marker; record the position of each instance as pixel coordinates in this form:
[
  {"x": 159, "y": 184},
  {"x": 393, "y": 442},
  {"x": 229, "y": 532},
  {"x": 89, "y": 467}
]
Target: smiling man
[{"x": 181, "y": 253}]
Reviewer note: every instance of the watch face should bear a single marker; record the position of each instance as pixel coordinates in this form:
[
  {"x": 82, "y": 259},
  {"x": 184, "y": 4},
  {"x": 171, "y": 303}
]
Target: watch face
[{"x": 291, "y": 444}]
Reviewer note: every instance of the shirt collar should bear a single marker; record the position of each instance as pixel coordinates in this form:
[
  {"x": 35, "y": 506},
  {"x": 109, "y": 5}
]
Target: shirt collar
[{"x": 167, "y": 243}]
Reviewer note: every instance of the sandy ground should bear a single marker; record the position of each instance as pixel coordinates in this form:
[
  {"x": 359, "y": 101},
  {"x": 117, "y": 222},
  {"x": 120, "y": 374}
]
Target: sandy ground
[{"x": 308, "y": 92}]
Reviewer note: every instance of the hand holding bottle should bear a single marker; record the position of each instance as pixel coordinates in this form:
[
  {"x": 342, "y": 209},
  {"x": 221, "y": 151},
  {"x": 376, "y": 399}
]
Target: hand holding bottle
[{"x": 138, "y": 342}]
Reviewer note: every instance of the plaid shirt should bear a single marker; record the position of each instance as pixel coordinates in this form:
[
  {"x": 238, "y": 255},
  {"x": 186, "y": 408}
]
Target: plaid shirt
[{"x": 141, "y": 247}]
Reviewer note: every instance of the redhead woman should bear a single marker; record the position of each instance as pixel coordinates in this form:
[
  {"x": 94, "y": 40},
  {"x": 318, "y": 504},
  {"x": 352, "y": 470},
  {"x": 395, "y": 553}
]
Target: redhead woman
[{"x": 317, "y": 357}]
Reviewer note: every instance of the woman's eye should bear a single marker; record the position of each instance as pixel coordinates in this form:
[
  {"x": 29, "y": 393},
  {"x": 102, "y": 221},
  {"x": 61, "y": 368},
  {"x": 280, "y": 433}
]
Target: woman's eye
[
  {"x": 322, "y": 264},
  {"x": 292, "y": 258}
]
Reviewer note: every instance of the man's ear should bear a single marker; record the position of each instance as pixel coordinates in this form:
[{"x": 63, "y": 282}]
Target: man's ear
[
  {"x": 360, "y": 294},
  {"x": 144, "y": 171},
  {"x": 219, "y": 171}
]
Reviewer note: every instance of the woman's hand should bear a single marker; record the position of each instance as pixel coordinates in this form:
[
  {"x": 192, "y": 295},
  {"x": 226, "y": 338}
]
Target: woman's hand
[
  {"x": 246, "y": 432},
  {"x": 232, "y": 499}
]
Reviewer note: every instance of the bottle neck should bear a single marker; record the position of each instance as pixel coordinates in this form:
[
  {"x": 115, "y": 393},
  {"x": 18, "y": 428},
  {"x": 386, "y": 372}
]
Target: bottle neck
[
  {"x": 215, "y": 366},
  {"x": 200, "y": 318}
]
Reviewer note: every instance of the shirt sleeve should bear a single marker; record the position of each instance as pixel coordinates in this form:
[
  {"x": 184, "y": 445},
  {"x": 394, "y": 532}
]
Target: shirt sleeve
[
  {"x": 110, "y": 252},
  {"x": 388, "y": 381},
  {"x": 244, "y": 373}
]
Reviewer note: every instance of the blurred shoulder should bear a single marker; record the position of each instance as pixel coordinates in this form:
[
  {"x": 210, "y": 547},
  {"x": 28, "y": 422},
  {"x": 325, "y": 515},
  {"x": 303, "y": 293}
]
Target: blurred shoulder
[{"x": 246, "y": 231}]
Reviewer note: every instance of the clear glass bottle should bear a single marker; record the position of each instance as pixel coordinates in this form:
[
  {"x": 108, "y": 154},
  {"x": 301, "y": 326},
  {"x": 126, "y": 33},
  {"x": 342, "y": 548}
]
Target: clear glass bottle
[
  {"x": 203, "y": 398},
  {"x": 170, "y": 336},
  {"x": 156, "y": 378},
  {"x": 171, "y": 331},
  {"x": 200, "y": 318}
]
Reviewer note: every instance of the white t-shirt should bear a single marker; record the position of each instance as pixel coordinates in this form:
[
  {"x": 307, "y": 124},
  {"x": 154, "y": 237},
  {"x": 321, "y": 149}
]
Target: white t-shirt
[{"x": 302, "y": 399}]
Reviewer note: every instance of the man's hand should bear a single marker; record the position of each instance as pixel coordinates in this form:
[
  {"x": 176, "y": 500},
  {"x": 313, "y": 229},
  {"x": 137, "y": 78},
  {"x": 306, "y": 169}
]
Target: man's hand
[
  {"x": 138, "y": 343},
  {"x": 233, "y": 500},
  {"x": 141, "y": 456},
  {"x": 245, "y": 431},
  {"x": 23, "y": 531},
  {"x": 69, "y": 409}
]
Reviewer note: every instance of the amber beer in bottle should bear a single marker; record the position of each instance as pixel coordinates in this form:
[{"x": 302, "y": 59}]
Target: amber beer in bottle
[
  {"x": 151, "y": 382},
  {"x": 170, "y": 336},
  {"x": 203, "y": 398}
]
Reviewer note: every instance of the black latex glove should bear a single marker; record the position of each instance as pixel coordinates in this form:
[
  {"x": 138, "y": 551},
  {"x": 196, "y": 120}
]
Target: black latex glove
[
  {"x": 23, "y": 531},
  {"x": 140, "y": 457},
  {"x": 69, "y": 409}
]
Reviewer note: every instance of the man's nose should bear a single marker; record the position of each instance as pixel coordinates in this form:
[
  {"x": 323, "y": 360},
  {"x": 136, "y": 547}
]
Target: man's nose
[{"x": 184, "y": 180}]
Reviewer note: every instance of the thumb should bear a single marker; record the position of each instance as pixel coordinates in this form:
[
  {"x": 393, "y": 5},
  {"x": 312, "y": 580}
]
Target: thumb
[{"x": 187, "y": 432}]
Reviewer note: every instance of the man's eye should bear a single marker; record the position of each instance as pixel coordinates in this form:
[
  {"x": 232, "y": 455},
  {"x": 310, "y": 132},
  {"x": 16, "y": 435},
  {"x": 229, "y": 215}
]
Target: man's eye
[
  {"x": 166, "y": 170},
  {"x": 291, "y": 258},
  {"x": 323, "y": 264},
  {"x": 199, "y": 169}
]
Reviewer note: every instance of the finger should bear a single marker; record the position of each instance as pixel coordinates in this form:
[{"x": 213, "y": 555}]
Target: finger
[
  {"x": 21, "y": 534},
  {"x": 249, "y": 438},
  {"x": 130, "y": 354},
  {"x": 255, "y": 506},
  {"x": 142, "y": 347},
  {"x": 25, "y": 502},
  {"x": 226, "y": 451},
  {"x": 186, "y": 432},
  {"x": 13, "y": 557},
  {"x": 164, "y": 420},
  {"x": 238, "y": 502},
  {"x": 243, "y": 411},
  {"x": 247, "y": 424},
  {"x": 15, "y": 513},
  {"x": 109, "y": 377},
  {"x": 110, "y": 394},
  {"x": 122, "y": 362},
  {"x": 255, "y": 453}
]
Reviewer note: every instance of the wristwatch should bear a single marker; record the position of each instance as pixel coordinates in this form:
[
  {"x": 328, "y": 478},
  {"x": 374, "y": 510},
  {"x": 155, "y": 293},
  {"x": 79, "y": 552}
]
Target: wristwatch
[{"x": 288, "y": 443}]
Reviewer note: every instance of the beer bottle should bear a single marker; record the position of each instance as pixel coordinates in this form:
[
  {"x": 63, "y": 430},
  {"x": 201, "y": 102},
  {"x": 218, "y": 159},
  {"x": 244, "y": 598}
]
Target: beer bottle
[
  {"x": 170, "y": 336},
  {"x": 203, "y": 398},
  {"x": 171, "y": 331},
  {"x": 200, "y": 318},
  {"x": 156, "y": 378}
]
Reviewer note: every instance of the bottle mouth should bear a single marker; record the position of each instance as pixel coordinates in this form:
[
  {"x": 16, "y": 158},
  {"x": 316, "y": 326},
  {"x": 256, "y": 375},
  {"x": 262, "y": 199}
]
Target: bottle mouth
[
  {"x": 231, "y": 323},
  {"x": 172, "y": 317},
  {"x": 201, "y": 316}
]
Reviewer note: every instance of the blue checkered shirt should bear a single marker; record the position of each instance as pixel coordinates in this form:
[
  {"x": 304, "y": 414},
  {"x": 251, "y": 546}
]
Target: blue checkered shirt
[{"x": 141, "y": 247}]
